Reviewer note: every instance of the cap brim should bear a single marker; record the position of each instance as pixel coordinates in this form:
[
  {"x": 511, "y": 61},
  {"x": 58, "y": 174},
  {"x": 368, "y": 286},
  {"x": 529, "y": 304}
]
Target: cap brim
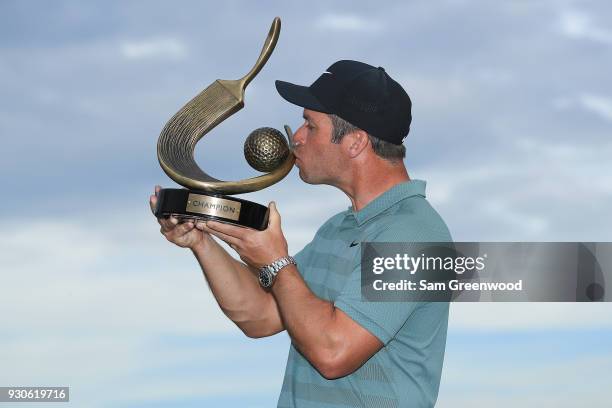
[{"x": 300, "y": 96}]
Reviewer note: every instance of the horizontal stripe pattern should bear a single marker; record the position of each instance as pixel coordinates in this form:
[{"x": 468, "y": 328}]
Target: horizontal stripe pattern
[{"x": 334, "y": 395}]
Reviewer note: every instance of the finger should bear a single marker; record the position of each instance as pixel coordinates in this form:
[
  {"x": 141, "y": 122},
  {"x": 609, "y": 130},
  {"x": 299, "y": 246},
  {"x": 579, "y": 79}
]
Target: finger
[
  {"x": 227, "y": 238},
  {"x": 164, "y": 228},
  {"x": 274, "y": 219},
  {"x": 168, "y": 224},
  {"x": 182, "y": 229},
  {"x": 227, "y": 229},
  {"x": 157, "y": 188},
  {"x": 153, "y": 202}
]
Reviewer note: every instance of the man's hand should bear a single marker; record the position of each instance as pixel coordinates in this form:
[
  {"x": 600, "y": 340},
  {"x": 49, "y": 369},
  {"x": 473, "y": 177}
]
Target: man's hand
[
  {"x": 185, "y": 234},
  {"x": 256, "y": 248}
]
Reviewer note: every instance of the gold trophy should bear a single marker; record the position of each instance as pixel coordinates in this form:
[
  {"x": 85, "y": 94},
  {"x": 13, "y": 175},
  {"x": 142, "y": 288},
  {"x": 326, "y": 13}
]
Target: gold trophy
[{"x": 205, "y": 197}]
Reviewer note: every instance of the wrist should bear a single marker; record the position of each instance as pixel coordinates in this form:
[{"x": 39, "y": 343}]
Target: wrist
[
  {"x": 201, "y": 245},
  {"x": 273, "y": 259},
  {"x": 269, "y": 272}
]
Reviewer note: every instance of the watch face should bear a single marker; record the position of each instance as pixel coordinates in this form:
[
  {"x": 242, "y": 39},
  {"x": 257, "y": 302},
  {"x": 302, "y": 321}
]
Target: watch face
[{"x": 264, "y": 279}]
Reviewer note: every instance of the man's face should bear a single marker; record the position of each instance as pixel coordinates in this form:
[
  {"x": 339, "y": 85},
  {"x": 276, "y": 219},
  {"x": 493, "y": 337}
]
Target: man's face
[{"x": 316, "y": 156}]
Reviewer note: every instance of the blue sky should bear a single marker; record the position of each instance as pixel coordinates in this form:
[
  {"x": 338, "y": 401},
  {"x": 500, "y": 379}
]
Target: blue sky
[{"x": 512, "y": 131}]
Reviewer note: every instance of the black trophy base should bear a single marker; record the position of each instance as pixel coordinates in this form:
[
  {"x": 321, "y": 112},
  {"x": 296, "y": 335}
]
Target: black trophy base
[{"x": 196, "y": 205}]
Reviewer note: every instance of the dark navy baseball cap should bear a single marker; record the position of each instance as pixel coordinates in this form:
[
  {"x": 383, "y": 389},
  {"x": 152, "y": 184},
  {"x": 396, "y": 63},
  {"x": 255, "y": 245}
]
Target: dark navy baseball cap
[{"x": 365, "y": 96}]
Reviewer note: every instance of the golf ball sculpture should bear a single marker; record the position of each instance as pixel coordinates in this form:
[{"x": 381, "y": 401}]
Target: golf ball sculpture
[{"x": 265, "y": 149}]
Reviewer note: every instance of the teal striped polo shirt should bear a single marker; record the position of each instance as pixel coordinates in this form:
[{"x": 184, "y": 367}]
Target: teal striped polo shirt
[{"x": 406, "y": 371}]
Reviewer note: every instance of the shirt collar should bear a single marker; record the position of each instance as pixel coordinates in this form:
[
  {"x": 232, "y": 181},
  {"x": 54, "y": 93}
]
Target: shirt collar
[{"x": 387, "y": 199}]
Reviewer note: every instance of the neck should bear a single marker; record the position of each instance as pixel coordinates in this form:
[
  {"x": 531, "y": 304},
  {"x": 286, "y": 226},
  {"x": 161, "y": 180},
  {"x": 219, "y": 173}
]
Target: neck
[{"x": 365, "y": 183}]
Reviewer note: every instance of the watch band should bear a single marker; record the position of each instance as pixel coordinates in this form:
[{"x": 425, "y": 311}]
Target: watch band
[{"x": 267, "y": 273}]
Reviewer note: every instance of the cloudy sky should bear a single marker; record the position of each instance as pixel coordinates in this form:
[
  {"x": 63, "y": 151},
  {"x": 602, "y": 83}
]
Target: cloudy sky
[{"x": 512, "y": 131}]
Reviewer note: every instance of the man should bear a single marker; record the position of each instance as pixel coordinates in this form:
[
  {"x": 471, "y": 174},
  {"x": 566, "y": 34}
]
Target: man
[{"x": 344, "y": 351}]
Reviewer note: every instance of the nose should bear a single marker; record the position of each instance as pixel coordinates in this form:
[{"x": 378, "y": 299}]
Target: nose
[{"x": 299, "y": 137}]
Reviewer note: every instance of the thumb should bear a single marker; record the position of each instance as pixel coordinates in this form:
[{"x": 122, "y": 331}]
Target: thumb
[{"x": 275, "y": 218}]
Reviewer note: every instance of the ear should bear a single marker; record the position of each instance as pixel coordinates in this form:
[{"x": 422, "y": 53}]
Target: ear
[{"x": 355, "y": 142}]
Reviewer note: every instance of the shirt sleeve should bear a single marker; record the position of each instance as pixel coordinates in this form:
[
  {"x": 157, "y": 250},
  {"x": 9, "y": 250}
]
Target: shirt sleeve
[{"x": 382, "y": 319}]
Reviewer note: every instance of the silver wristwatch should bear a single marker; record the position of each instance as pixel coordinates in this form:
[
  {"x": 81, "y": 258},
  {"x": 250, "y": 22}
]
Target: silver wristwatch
[{"x": 267, "y": 273}]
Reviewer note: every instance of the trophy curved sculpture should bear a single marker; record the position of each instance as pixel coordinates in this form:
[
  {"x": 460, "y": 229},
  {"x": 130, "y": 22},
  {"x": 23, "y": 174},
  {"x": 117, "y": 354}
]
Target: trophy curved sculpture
[{"x": 177, "y": 141}]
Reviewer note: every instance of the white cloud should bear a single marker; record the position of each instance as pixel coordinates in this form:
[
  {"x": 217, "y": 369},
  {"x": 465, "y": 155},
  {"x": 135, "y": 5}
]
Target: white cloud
[
  {"x": 344, "y": 22},
  {"x": 578, "y": 24},
  {"x": 54, "y": 245},
  {"x": 88, "y": 362},
  {"x": 599, "y": 105},
  {"x": 88, "y": 272},
  {"x": 169, "y": 48},
  {"x": 491, "y": 316},
  {"x": 596, "y": 104},
  {"x": 438, "y": 94},
  {"x": 472, "y": 380},
  {"x": 529, "y": 193}
]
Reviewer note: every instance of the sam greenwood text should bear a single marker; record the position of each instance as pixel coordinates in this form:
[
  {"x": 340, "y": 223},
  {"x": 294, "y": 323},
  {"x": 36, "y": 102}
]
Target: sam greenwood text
[{"x": 453, "y": 284}]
